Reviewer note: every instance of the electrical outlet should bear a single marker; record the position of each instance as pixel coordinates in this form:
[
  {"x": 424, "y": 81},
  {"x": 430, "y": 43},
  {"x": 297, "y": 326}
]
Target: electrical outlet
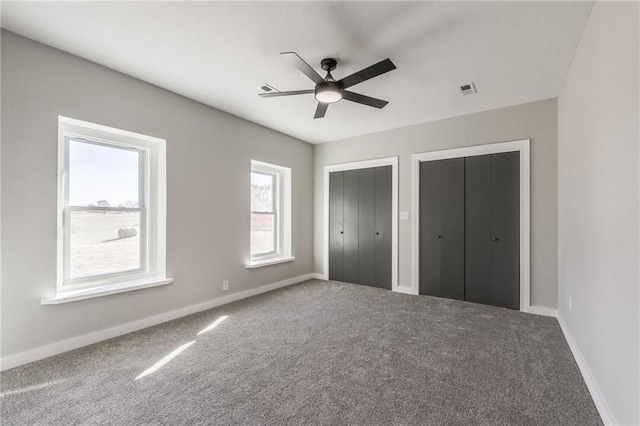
[
  {"x": 225, "y": 285},
  {"x": 570, "y": 304}
]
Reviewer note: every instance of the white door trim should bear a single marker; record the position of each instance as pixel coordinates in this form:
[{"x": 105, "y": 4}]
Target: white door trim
[
  {"x": 388, "y": 161},
  {"x": 521, "y": 146}
]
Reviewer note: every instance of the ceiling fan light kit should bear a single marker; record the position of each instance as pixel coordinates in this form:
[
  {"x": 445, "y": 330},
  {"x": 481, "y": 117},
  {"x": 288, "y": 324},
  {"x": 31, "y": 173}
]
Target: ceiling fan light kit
[{"x": 327, "y": 90}]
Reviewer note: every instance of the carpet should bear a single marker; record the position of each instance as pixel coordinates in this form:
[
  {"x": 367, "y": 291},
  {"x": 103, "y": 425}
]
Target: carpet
[{"x": 319, "y": 352}]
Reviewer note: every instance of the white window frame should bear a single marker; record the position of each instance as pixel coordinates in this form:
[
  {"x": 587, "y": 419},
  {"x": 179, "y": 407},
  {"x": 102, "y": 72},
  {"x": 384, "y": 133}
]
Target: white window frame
[
  {"x": 282, "y": 210},
  {"x": 143, "y": 194},
  {"x": 152, "y": 208}
]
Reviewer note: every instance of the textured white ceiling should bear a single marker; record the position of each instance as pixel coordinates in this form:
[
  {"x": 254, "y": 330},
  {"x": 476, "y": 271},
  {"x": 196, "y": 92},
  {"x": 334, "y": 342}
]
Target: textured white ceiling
[{"x": 218, "y": 53}]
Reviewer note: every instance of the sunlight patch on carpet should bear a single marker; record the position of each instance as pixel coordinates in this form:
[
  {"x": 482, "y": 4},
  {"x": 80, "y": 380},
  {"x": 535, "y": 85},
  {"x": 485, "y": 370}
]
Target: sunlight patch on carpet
[
  {"x": 213, "y": 324},
  {"x": 158, "y": 365}
]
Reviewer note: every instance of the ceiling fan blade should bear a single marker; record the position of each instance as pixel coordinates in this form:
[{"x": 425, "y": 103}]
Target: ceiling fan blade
[
  {"x": 291, "y": 93},
  {"x": 299, "y": 63},
  {"x": 364, "y": 100},
  {"x": 321, "y": 110},
  {"x": 368, "y": 73}
]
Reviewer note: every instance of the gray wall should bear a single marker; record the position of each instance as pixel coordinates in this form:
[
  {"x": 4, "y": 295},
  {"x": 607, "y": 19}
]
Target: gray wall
[
  {"x": 598, "y": 210},
  {"x": 208, "y": 155},
  {"x": 535, "y": 121}
]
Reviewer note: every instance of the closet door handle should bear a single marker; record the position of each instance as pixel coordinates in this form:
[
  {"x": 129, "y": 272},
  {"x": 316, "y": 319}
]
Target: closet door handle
[
  {"x": 494, "y": 239},
  {"x": 439, "y": 237},
  {"x": 342, "y": 232},
  {"x": 377, "y": 233}
]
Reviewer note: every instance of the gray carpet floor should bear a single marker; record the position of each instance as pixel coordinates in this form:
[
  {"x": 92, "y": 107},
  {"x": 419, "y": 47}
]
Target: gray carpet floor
[{"x": 319, "y": 352}]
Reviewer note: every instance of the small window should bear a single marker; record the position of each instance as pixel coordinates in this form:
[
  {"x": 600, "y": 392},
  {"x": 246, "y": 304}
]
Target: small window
[
  {"x": 264, "y": 213},
  {"x": 112, "y": 206},
  {"x": 270, "y": 214}
]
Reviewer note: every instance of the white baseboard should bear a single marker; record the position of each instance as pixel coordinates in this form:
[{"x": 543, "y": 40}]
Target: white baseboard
[
  {"x": 318, "y": 276},
  {"x": 397, "y": 289},
  {"x": 601, "y": 405},
  {"x": 404, "y": 289},
  {"x": 46, "y": 351},
  {"x": 541, "y": 310}
]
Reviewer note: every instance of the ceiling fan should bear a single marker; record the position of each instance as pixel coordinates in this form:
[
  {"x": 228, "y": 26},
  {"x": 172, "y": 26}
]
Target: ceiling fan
[{"x": 328, "y": 90}]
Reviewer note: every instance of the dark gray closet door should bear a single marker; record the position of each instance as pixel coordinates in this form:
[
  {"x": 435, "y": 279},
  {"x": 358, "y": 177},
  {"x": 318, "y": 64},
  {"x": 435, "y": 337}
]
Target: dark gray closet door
[
  {"x": 430, "y": 227},
  {"x": 383, "y": 220},
  {"x": 492, "y": 237},
  {"x": 360, "y": 207},
  {"x": 452, "y": 241},
  {"x": 478, "y": 229},
  {"x": 442, "y": 228},
  {"x": 366, "y": 226},
  {"x": 336, "y": 236},
  {"x": 351, "y": 200},
  {"x": 505, "y": 226}
]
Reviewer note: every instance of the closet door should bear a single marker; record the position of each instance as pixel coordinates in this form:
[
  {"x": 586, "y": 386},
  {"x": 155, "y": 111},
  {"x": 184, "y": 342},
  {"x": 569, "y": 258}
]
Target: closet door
[
  {"x": 452, "y": 241},
  {"x": 492, "y": 239},
  {"x": 430, "y": 227},
  {"x": 383, "y": 207},
  {"x": 336, "y": 233},
  {"x": 360, "y": 207},
  {"x": 478, "y": 229},
  {"x": 442, "y": 228},
  {"x": 351, "y": 209},
  {"x": 505, "y": 226},
  {"x": 366, "y": 226}
]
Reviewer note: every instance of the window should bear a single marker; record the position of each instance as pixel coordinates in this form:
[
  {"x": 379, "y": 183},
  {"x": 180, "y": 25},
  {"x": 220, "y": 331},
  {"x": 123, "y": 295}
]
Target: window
[
  {"x": 112, "y": 209},
  {"x": 270, "y": 214},
  {"x": 264, "y": 213},
  {"x": 104, "y": 209}
]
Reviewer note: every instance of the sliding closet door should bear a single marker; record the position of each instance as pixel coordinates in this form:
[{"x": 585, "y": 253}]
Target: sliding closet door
[
  {"x": 383, "y": 237},
  {"x": 336, "y": 233},
  {"x": 366, "y": 226},
  {"x": 442, "y": 228},
  {"x": 505, "y": 225}
]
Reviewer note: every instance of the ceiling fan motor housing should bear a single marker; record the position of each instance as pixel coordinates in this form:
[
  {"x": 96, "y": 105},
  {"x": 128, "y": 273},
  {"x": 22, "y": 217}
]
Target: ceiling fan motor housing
[{"x": 328, "y": 64}]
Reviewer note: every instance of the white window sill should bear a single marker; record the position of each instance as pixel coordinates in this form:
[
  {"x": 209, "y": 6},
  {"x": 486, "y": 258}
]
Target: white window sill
[
  {"x": 268, "y": 262},
  {"x": 104, "y": 290}
]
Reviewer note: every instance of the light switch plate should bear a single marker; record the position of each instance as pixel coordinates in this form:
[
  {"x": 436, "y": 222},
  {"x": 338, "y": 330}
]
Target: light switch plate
[{"x": 404, "y": 215}]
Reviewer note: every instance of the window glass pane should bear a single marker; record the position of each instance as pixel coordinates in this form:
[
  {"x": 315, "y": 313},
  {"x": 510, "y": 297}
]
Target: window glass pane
[
  {"x": 262, "y": 233},
  {"x": 262, "y": 192},
  {"x": 103, "y": 242},
  {"x": 102, "y": 176}
]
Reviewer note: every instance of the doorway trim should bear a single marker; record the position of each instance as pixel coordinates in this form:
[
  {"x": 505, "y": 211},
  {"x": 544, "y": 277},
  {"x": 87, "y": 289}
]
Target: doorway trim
[
  {"x": 521, "y": 146},
  {"x": 357, "y": 165}
]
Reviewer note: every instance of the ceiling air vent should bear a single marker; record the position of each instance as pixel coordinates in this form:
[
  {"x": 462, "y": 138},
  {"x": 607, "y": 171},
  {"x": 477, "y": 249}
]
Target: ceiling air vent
[
  {"x": 265, "y": 88},
  {"x": 468, "y": 89}
]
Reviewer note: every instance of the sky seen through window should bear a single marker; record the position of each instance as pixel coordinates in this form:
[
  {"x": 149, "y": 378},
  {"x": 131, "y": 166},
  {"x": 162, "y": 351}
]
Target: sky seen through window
[{"x": 98, "y": 172}]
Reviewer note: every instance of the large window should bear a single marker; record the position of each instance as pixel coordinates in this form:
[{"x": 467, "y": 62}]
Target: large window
[
  {"x": 270, "y": 214},
  {"x": 105, "y": 210},
  {"x": 112, "y": 208}
]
